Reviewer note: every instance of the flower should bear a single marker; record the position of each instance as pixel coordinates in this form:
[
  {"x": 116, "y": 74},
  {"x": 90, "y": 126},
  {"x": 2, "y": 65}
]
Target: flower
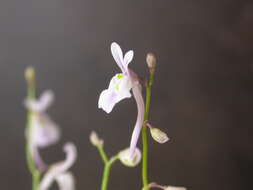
[
  {"x": 43, "y": 131},
  {"x": 119, "y": 88},
  {"x": 125, "y": 158},
  {"x": 59, "y": 172},
  {"x": 121, "y": 84}
]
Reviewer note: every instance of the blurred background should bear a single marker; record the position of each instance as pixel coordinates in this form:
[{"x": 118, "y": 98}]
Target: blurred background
[{"x": 202, "y": 96}]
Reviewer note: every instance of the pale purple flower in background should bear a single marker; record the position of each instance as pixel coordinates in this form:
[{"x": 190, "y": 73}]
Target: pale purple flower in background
[
  {"x": 43, "y": 131},
  {"x": 42, "y": 104},
  {"x": 59, "y": 172},
  {"x": 119, "y": 89}
]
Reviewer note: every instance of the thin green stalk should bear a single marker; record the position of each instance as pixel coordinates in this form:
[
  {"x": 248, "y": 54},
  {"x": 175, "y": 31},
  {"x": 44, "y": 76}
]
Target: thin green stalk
[
  {"x": 103, "y": 154},
  {"x": 36, "y": 180},
  {"x": 107, "y": 166},
  {"x": 30, "y": 162},
  {"x": 106, "y": 173},
  {"x": 144, "y": 133}
]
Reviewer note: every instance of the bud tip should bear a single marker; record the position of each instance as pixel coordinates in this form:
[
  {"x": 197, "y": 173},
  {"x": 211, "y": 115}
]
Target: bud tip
[
  {"x": 29, "y": 73},
  {"x": 151, "y": 61},
  {"x": 95, "y": 140}
]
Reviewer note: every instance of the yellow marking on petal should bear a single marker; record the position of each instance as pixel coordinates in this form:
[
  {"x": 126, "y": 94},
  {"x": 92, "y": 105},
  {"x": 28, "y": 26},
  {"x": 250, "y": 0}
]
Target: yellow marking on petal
[{"x": 120, "y": 76}]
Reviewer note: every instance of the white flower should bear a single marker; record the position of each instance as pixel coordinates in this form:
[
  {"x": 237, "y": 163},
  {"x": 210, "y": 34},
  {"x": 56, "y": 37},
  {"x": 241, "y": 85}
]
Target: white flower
[
  {"x": 119, "y": 88},
  {"x": 121, "y": 84},
  {"x": 59, "y": 172}
]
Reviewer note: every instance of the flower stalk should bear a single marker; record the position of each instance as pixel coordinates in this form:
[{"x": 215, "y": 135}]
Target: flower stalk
[
  {"x": 31, "y": 93},
  {"x": 99, "y": 144},
  {"x": 103, "y": 155},
  {"x": 151, "y": 62},
  {"x": 107, "y": 166},
  {"x": 107, "y": 171}
]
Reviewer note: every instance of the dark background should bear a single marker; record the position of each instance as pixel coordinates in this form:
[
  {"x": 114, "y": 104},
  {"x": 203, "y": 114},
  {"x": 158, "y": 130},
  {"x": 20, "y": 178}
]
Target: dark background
[{"x": 202, "y": 95}]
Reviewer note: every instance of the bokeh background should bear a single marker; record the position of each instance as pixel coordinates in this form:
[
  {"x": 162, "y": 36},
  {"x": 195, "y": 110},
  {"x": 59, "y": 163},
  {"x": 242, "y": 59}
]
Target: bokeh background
[{"x": 202, "y": 97}]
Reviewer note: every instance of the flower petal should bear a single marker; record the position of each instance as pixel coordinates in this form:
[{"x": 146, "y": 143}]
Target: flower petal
[
  {"x": 42, "y": 104},
  {"x": 124, "y": 88},
  {"x": 60, "y": 167},
  {"x": 38, "y": 160},
  {"x": 120, "y": 83},
  {"x": 119, "y": 89},
  {"x": 44, "y": 131},
  {"x": 140, "y": 117},
  {"x": 46, "y": 99},
  {"x": 128, "y": 58},
  {"x": 117, "y": 55},
  {"x": 66, "y": 181},
  {"x": 107, "y": 100}
]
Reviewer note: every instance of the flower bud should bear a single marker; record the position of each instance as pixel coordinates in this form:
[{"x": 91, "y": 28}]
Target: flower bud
[
  {"x": 30, "y": 77},
  {"x": 159, "y": 135},
  {"x": 128, "y": 161},
  {"x": 29, "y": 74},
  {"x": 174, "y": 188},
  {"x": 95, "y": 140},
  {"x": 151, "y": 61}
]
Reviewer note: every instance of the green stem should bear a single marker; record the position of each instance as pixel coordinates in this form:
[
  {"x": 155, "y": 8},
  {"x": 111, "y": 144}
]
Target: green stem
[
  {"x": 106, "y": 173},
  {"x": 29, "y": 157},
  {"x": 103, "y": 154},
  {"x": 36, "y": 180},
  {"x": 144, "y": 133},
  {"x": 107, "y": 166}
]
